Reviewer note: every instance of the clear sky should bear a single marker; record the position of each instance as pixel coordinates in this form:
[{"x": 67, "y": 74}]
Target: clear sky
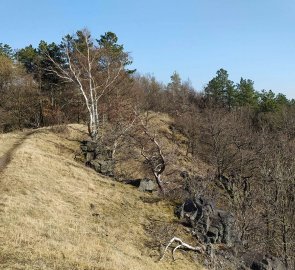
[{"x": 253, "y": 39}]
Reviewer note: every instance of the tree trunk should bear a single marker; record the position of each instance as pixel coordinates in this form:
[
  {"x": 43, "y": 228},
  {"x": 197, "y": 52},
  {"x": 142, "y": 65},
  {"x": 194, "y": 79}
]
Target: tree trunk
[
  {"x": 284, "y": 238},
  {"x": 159, "y": 182}
]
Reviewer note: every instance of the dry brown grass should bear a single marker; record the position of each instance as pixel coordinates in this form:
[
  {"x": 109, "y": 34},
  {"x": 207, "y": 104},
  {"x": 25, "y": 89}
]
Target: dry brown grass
[
  {"x": 57, "y": 214},
  {"x": 173, "y": 145}
]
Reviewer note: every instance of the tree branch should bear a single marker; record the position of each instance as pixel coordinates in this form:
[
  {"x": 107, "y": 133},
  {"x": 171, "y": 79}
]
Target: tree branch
[{"x": 200, "y": 249}]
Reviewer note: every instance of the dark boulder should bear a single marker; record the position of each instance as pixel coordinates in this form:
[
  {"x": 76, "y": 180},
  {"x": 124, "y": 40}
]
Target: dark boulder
[
  {"x": 209, "y": 224},
  {"x": 89, "y": 156},
  {"x": 268, "y": 263},
  {"x": 144, "y": 185},
  {"x": 105, "y": 167},
  {"x": 132, "y": 182},
  {"x": 88, "y": 146},
  {"x": 98, "y": 157}
]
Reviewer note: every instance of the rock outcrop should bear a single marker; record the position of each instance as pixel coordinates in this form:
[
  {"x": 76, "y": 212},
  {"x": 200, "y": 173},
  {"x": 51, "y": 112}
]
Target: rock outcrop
[
  {"x": 214, "y": 226},
  {"x": 98, "y": 157},
  {"x": 144, "y": 185},
  {"x": 268, "y": 263},
  {"x": 210, "y": 225}
]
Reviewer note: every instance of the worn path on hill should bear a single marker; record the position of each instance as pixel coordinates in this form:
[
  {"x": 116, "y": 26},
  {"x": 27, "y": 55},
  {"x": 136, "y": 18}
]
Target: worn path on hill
[{"x": 7, "y": 157}]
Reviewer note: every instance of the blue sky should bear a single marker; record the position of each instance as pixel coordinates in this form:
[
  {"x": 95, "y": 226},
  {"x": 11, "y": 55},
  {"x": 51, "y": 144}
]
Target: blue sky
[{"x": 253, "y": 39}]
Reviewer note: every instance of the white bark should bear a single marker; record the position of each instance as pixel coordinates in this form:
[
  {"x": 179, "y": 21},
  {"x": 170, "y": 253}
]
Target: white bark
[
  {"x": 93, "y": 84},
  {"x": 157, "y": 169},
  {"x": 183, "y": 245}
]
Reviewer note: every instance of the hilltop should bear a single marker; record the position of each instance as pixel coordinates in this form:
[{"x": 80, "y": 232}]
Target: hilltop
[{"x": 55, "y": 213}]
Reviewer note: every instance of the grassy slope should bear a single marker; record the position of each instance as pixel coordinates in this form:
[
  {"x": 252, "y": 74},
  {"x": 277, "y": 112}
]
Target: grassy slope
[
  {"x": 57, "y": 214},
  {"x": 174, "y": 152}
]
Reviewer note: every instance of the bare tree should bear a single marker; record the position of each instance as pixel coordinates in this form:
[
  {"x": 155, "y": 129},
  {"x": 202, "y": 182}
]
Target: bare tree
[
  {"x": 151, "y": 150},
  {"x": 94, "y": 67},
  {"x": 117, "y": 134},
  {"x": 277, "y": 172}
]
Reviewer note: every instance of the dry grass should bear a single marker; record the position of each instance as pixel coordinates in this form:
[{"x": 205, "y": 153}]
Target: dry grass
[
  {"x": 173, "y": 145},
  {"x": 57, "y": 214}
]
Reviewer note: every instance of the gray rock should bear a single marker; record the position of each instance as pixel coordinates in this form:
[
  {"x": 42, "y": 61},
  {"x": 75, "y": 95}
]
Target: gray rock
[
  {"x": 91, "y": 146},
  {"x": 268, "y": 263},
  {"x": 89, "y": 156},
  {"x": 88, "y": 146},
  {"x": 213, "y": 234},
  {"x": 83, "y": 148},
  {"x": 209, "y": 224},
  {"x": 226, "y": 219},
  {"x": 147, "y": 185},
  {"x": 95, "y": 164},
  {"x": 105, "y": 167},
  {"x": 98, "y": 150},
  {"x": 98, "y": 157}
]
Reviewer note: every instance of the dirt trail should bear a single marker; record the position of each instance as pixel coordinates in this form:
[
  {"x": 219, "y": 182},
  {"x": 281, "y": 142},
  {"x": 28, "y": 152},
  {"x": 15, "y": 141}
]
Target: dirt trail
[{"x": 7, "y": 157}]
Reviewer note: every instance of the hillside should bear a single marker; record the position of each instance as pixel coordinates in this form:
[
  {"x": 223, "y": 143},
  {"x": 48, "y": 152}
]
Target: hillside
[{"x": 55, "y": 213}]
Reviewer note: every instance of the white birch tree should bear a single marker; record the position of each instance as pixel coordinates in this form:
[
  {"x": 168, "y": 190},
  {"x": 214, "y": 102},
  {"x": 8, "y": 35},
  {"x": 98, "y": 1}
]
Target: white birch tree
[{"x": 93, "y": 66}]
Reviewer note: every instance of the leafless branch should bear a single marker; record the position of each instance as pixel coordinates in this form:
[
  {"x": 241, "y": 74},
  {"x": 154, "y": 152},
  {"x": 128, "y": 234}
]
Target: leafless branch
[{"x": 183, "y": 245}]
